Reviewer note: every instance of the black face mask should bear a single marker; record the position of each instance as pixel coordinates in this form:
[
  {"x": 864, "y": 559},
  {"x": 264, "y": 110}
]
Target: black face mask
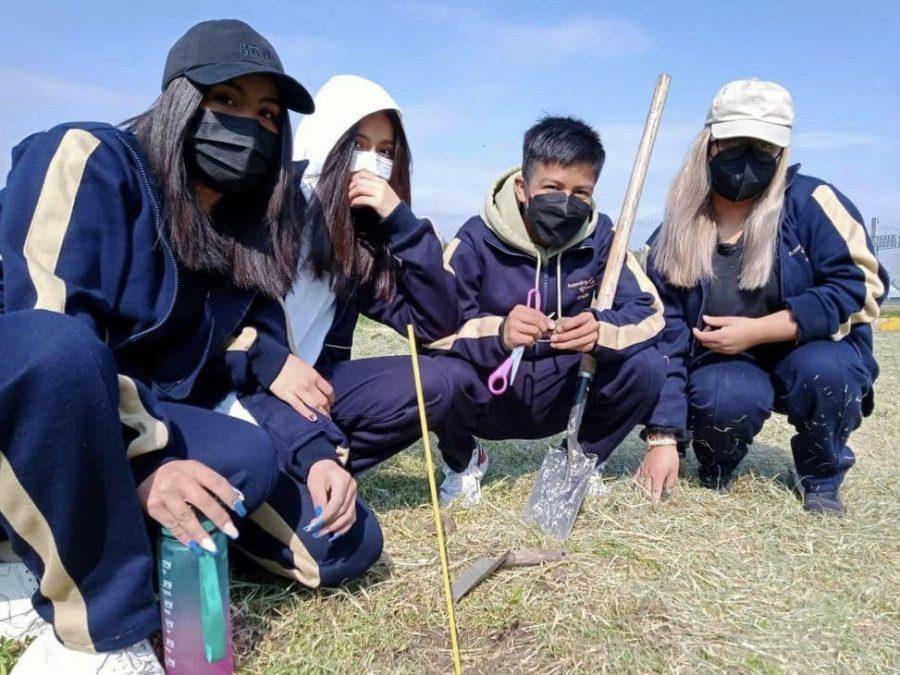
[
  {"x": 741, "y": 173},
  {"x": 231, "y": 153},
  {"x": 556, "y": 217}
]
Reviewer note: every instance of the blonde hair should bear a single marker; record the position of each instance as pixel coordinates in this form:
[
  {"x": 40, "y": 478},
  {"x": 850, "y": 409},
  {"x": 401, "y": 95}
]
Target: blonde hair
[{"x": 684, "y": 250}]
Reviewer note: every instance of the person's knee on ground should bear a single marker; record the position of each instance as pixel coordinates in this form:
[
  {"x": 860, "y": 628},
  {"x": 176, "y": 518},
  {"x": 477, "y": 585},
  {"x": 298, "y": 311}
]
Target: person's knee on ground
[
  {"x": 730, "y": 401},
  {"x": 350, "y": 556},
  {"x": 821, "y": 385},
  {"x": 621, "y": 396},
  {"x": 278, "y": 537}
]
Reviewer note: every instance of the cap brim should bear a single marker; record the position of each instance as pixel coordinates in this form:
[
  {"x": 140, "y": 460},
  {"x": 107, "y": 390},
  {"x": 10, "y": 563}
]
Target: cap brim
[
  {"x": 765, "y": 131},
  {"x": 292, "y": 94}
]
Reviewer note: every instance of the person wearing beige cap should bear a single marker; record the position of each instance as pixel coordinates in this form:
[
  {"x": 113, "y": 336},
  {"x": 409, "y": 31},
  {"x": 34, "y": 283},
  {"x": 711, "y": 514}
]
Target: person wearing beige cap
[{"x": 770, "y": 285}]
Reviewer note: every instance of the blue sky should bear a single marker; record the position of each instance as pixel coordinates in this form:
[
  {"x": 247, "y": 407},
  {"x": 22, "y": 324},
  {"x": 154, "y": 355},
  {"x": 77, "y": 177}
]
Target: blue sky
[{"x": 472, "y": 76}]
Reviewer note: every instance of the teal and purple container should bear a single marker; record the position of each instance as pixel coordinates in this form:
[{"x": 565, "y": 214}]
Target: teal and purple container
[{"x": 193, "y": 597}]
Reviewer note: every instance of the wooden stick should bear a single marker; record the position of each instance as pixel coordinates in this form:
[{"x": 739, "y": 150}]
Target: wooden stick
[
  {"x": 435, "y": 504},
  {"x": 619, "y": 247}
]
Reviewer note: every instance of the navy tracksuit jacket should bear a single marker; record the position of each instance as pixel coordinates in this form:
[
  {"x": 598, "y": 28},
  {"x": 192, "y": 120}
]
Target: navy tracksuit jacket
[
  {"x": 375, "y": 413},
  {"x": 833, "y": 284},
  {"x": 90, "y": 403},
  {"x": 495, "y": 264}
]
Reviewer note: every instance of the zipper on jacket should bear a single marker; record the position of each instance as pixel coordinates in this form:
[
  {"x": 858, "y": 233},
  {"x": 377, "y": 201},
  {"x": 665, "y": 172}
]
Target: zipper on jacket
[
  {"x": 699, "y": 322},
  {"x": 165, "y": 245}
]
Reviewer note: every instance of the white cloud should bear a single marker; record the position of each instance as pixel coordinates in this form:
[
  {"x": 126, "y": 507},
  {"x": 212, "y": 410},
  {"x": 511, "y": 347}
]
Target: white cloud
[
  {"x": 493, "y": 38},
  {"x": 42, "y": 101},
  {"x": 596, "y": 38},
  {"x": 300, "y": 46},
  {"x": 834, "y": 140},
  {"x": 34, "y": 87},
  {"x": 424, "y": 118}
]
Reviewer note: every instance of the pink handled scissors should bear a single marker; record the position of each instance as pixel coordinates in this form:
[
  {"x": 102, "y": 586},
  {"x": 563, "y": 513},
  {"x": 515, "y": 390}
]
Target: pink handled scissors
[{"x": 505, "y": 374}]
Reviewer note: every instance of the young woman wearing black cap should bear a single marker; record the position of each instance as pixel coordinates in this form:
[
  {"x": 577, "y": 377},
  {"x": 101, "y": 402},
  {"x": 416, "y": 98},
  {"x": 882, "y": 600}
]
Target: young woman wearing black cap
[{"x": 142, "y": 269}]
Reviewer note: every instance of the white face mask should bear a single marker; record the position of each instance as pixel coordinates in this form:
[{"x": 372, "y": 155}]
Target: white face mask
[{"x": 373, "y": 162}]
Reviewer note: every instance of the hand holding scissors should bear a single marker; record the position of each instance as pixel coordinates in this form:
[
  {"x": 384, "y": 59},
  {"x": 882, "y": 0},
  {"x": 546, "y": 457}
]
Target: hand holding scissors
[{"x": 525, "y": 332}]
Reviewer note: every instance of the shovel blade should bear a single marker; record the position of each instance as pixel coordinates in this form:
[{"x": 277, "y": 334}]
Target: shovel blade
[
  {"x": 558, "y": 491},
  {"x": 477, "y": 572}
]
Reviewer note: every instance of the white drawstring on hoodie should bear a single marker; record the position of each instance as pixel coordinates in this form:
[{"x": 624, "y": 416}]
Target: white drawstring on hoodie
[{"x": 537, "y": 283}]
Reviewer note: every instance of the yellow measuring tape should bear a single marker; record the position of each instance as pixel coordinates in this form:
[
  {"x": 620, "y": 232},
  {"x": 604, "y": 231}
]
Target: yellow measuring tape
[{"x": 435, "y": 505}]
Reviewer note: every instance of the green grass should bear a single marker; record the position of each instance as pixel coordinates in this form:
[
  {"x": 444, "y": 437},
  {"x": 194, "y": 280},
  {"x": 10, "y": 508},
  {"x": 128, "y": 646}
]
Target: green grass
[{"x": 744, "y": 582}]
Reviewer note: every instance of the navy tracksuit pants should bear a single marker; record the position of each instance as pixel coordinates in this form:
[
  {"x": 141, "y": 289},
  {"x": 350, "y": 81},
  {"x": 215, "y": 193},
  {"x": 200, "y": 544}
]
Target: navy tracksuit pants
[
  {"x": 375, "y": 408},
  {"x": 68, "y": 499},
  {"x": 375, "y": 405},
  {"x": 540, "y": 399},
  {"x": 819, "y": 385}
]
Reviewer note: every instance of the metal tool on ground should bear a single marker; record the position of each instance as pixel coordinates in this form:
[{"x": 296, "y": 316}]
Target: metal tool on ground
[
  {"x": 435, "y": 505},
  {"x": 562, "y": 479},
  {"x": 482, "y": 568},
  {"x": 502, "y": 378}
]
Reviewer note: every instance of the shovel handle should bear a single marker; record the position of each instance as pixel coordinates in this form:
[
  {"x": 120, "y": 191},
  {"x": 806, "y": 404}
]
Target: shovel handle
[
  {"x": 531, "y": 557},
  {"x": 619, "y": 248}
]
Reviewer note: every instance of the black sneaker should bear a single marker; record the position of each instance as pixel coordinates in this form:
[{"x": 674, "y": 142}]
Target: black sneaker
[
  {"x": 714, "y": 478},
  {"x": 824, "y": 503}
]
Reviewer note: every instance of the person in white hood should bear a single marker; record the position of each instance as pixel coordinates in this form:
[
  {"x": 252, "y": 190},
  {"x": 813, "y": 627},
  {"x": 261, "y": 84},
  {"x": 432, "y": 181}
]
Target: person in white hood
[{"x": 364, "y": 253}]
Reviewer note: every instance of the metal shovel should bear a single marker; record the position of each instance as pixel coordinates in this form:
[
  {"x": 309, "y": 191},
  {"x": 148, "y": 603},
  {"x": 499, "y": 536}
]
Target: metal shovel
[
  {"x": 562, "y": 480},
  {"x": 482, "y": 568}
]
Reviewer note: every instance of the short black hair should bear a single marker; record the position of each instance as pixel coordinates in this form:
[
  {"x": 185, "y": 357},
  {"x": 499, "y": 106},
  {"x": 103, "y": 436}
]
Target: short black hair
[{"x": 563, "y": 140}]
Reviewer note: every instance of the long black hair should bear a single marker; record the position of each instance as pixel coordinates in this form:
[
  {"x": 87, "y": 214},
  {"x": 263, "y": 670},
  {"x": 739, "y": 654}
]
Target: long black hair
[
  {"x": 252, "y": 238},
  {"x": 354, "y": 255}
]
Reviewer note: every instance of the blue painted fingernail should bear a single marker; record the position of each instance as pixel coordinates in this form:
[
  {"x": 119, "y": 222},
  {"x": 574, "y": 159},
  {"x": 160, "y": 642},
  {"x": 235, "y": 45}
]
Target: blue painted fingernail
[
  {"x": 239, "y": 508},
  {"x": 314, "y": 524},
  {"x": 195, "y": 548},
  {"x": 336, "y": 535},
  {"x": 319, "y": 534}
]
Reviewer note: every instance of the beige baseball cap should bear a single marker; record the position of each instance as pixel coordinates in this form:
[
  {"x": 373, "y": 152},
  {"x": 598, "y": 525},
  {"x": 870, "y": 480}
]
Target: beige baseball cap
[{"x": 753, "y": 108}]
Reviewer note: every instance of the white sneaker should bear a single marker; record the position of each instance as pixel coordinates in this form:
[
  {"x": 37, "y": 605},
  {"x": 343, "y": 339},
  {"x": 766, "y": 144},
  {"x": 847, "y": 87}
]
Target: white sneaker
[
  {"x": 465, "y": 486},
  {"x": 46, "y": 656},
  {"x": 597, "y": 487},
  {"x": 18, "y": 620}
]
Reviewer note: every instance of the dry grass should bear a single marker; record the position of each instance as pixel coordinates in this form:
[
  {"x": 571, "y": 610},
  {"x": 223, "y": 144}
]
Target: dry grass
[
  {"x": 742, "y": 583},
  {"x": 701, "y": 583}
]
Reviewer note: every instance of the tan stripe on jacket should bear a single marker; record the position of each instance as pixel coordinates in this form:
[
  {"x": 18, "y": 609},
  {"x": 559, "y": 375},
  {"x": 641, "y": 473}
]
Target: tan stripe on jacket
[
  {"x": 243, "y": 341},
  {"x": 153, "y": 434},
  {"x": 616, "y": 337},
  {"x": 43, "y": 245},
  {"x": 52, "y": 215},
  {"x": 854, "y": 235},
  {"x": 485, "y": 326},
  {"x": 448, "y": 254}
]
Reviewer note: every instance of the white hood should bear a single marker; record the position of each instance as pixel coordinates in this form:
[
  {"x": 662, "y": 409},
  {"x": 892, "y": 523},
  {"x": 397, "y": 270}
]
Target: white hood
[{"x": 341, "y": 102}]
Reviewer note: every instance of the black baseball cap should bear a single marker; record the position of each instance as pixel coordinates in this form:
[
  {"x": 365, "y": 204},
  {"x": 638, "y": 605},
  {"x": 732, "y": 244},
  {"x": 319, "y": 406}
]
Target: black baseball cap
[{"x": 215, "y": 51}]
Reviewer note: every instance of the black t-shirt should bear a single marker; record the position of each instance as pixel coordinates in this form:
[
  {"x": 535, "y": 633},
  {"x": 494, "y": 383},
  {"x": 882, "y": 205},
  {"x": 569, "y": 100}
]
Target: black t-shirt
[{"x": 726, "y": 298}]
